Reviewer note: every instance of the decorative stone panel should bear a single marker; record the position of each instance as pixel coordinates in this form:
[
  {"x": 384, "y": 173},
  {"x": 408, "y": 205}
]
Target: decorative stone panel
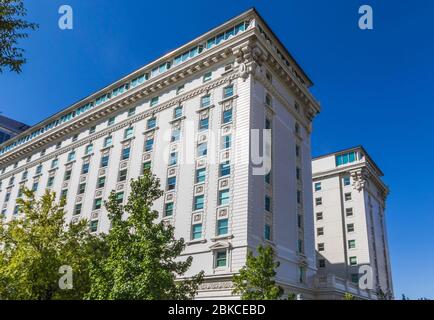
[
  {"x": 197, "y": 218},
  {"x": 222, "y": 213},
  {"x": 224, "y": 183},
  {"x": 200, "y": 189}
]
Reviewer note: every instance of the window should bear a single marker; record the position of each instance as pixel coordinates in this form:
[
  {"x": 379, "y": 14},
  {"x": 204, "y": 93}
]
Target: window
[
  {"x": 77, "y": 209},
  {"x": 222, "y": 227},
  {"x": 268, "y": 203},
  {"x": 105, "y": 161},
  {"x": 177, "y": 112},
  {"x": 322, "y": 263},
  {"x": 198, "y": 202},
  {"x": 299, "y": 197},
  {"x": 351, "y": 244},
  {"x": 196, "y": 232},
  {"x": 347, "y": 180},
  {"x": 64, "y": 193},
  {"x": 16, "y": 210},
  {"x": 267, "y": 178},
  {"x": 202, "y": 149},
  {"x": 111, "y": 121},
  {"x": 58, "y": 145},
  {"x": 11, "y": 181},
  {"x": 176, "y": 134},
  {"x": 297, "y": 151},
  {"x": 353, "y": 261},
  {"x": 227, "y": 116},
  {"x": 320, "y": 247},
  {"x": 92, "y": 129},
  {"x": 24, "y": 176},
  {"x": 97, "y": 204},
  {"x": 345, "y": 158},
  {"x": 205, "y": 101},
  {"x": 71, "y": 156},
  {"x": 89, "y": 149},
  {"x": 267, "y": 123},
  {"x": 225, "y": 169},
  {"x": 298, "y": 173},
  {"x": 131, "y": 112},
  {"x": 318, "y": 186},
  {"x": 54, "y": 163},
  {"x": 151, "y": 123},
  {"x": 154, "y": 101},
  {"x": 207, "y": 76},
  {"x": 319, "y": 216},
  {"x": 221, "y": 259},
  {"x": 228, "y": 91},
  {"x": 297, "y": 128},
  {"x": 74, "y": 137},
  {"x": 200, "y": 175},
  {"x": 349, "y": 212},
  {"x": 123, "y": 175},
  {"x": 267, "y": 232},
  {"x": 7, "y": 196},
  {"x": 128, "y": 133},
  {"x": 168, "y": 209},
  {"x": 224, "y": 197},
  {"x": 229, "y": 66},
  {"x": 301, "y": 274},
  {"x": 149, "y": 144},
  {"x": 125, "y": 153},
  {"x": 204, "y": 124},
  {"x": 146, "y": 166},
  {"x": 300, "y": 221},
  {"x": 50, "y": 182},
  {"x": 39, "y": 169},
  {"x": 268, "y": 100},
  {"x": 108, "y": 141},
  {"x": 29, "y": 158},
  {"x": 268, "y": 76},
  {"x": 227, "y": 141},
  {"x": 350, "y": 227},
  {"x": 171, "y": 183},
  {"x": 85, "y": 168},
  {"x": 173, "y": 160},
  {"x": 120, "y": 197},
  {"x": 101, "y": 182},
  {"x": 93, "y": 226},
  {"x": 355, "y": 278},
  {"x": 318, "y": 201},
  {"x": 81, "y": 188},
  {"x": 320, "y": 231},
  {"x": 180, "y": 89},
  {"x": 348, "y": 196},
  {"x": 300, "y": 246},
  {"x": 35, "y": 186}
]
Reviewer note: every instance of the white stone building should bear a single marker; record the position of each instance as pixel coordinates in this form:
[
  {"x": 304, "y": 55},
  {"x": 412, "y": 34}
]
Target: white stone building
[
  {"x": 350, "y": 221},
  {"x": 189, "y": 116}
]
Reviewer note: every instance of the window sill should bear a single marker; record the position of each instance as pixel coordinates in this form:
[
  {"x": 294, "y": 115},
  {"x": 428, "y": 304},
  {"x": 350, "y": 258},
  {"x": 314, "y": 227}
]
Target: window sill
[
  {"x": 227, "y": 72},
  {"x": 205, "y": 108},
  {"x": 70, "y": 162},
  {"x": 87, "y": 155},
  {"x": 106, "y": 148},
  {"x": 150, "y": 130},
  {"x": 127, "y": 139},
  {"x": 177, "y": 119},
  {"x": 225, "y": 237},
  {"x": 198, "y": 241}
]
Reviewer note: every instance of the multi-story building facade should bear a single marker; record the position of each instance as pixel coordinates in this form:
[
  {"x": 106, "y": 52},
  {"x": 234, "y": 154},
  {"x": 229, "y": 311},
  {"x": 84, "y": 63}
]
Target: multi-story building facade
[
  {"x": 189, "y": 117},
  {"x": 349, "y": 200},
  {"x": 10, "y": 128}
]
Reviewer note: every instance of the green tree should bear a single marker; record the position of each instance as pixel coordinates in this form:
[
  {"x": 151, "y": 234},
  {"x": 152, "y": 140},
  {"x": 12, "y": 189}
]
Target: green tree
[
  {"x": 12, "y": 29},
  {"x": 36, "y": 244},
  {"x": 255, "y": 280},
  {"x": 349, "y": 296},
  {"x": 143, "y": 257}
]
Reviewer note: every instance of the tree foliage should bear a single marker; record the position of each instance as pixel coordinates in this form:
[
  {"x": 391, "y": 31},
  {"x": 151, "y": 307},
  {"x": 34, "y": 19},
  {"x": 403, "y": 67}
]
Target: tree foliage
[
  {"x": 13, "y": 28},
  {"x": 349, "y": 296},
  {"x": 255, "y": 280},
  {"x": 36, "y": 244},
  {"x": 142, "y": 259}
]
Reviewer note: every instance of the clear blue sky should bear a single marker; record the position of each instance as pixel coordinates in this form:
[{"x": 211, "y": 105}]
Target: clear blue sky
[{"x": 376, "y": 87}]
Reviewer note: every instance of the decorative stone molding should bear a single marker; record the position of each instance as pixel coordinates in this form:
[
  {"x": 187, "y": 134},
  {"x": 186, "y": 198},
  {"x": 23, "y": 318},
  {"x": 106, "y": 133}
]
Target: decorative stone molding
[
  {"x": 221, "y": 285},
  {"x": 359, "y": 178}
]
